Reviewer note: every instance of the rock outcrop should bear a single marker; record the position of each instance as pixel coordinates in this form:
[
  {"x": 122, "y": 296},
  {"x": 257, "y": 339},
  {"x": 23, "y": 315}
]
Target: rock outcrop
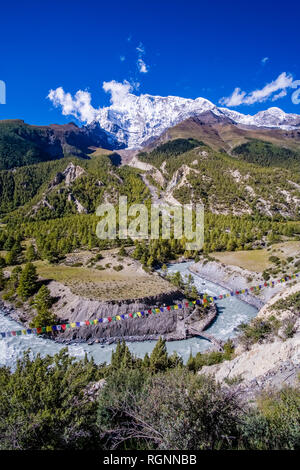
[
  {"x": 269, "y": 365},
  {"x": 260, "y": 360}
]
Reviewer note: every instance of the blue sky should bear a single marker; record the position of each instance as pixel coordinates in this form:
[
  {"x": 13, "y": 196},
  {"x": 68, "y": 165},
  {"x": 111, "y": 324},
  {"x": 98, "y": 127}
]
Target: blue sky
[{"x": 168, "y": 47}]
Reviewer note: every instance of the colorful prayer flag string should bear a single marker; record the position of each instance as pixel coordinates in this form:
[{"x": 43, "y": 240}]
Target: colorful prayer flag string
[{"x": 204, "y": 300}]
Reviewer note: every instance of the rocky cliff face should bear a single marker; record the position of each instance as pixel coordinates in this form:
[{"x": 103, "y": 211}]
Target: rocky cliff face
[
  {"x": 271, "y": 364},
  {"x": 173, "y": 325},
  {"x": 74, "y": 308},
  {"x": 67, "y": 177}
]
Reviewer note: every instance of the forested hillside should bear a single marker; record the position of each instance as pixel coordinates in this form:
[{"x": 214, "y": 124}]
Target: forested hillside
[
  {"x": 268, "y": 155},
  {"x": 40, "y": 190},
  {"x": 54, "y": 203},
  {"x": 22, "y": 144},
  {"x": 225, "y": 184}
]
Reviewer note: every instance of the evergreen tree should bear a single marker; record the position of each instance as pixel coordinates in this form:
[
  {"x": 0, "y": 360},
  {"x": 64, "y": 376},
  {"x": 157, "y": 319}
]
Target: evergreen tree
[
  {"x": 228, "y": 349},
  {"x": 9, "y": 243},
  {"x": 15, "y": 277},
  {"x": 164, "y": 268},
  {"x": 159, "y": 356},
  {"x": 122, "y": 251},
  {"x": 127, "y": 361},
  {"x": 43, "y": 299},
  {"x": 28, "y": 282},
  {"x": 191, "y": 363},
  {"x": 121, "y": 358},
  {"x": 44, "y": 318},
  {"x": 12, "y": 257},
  {"x": 150, "y": 262},
  {"x": 30, "y": 254},
  {"x": 193, "y": 294},
  {"x": 17, "y": 247},
  {"x": 146, "y": 361},
  {"x": 175, "y": 360}
]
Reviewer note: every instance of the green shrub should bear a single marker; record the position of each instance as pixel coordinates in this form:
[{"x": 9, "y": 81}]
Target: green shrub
[
  {"x": 275, "y": 425},
  {"x": 42, "y": 405},
  {"x": 258, "y": 330},
  {"x": 118, "y": 268}
]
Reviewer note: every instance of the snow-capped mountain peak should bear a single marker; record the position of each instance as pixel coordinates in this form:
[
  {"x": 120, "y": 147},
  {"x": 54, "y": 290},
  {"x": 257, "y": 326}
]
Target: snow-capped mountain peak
[
  {"x": 135, "y": 119},
  {"x": 132, "y": 120},
  {"x": 272, "y": 117}
]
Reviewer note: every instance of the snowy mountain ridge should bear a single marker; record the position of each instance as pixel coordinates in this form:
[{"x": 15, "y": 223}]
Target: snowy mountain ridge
[
  {"x": 272, "y": 117},
  {"x": 136, "y": 119},
  {"x": 132, "y": 120}
]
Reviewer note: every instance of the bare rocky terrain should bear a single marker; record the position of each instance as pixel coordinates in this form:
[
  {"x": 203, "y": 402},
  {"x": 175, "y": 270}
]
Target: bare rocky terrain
[{"x": 267, "y": 365}]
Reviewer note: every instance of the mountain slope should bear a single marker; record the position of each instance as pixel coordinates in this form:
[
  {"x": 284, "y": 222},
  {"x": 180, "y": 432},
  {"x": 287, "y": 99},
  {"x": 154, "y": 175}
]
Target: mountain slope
[
  {"x": 220, "y": 132},
  {"x": 22, "y": 144},
  {"x": 54, "y": 189},
  {"x": 274, "y": 359},
  {"x": 137, "y": 119},
  {"x": 272, "y": 117},
  {"x": 224, "y": 184},
  {"x": 133, "y": 120},
  {"x": 267, "y": 154}
]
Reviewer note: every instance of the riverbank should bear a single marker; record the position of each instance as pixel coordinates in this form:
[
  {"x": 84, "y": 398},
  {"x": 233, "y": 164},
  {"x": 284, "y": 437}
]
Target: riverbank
[
  {"x": 231, "y": 313},
  {"x": 172, "y": 326},
  {"x": 169, "y": 324},
  {"x": 247, "y": 298},
  {"x": 235, "y": 278}
]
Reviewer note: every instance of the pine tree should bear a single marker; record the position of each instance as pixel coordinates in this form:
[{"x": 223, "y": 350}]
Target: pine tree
[
  {"x": 44, "y": 318},
  {"x": 164, "y": 268},
  {"x": 121, "y": 358},
  {"x": 17, "y": 247},
  {"x": 43, "y": 299},
  {"x": 15, "y": 277},
  {"x": 28, "y": 282},
  {"x": 175, "y": 360},
  {"x": 9, "y": 243},
  {"x": 191, "y": 363},
  {"x": 193, "y": 294},
  {"x": 127, "y": 360},
  {"x": 150, "y": 262},
  {"x": 12, "y": 257},
  {"x": 146, "y": 361},
  {"x": 30, "y": 254},
  {"x": 122, "y": 251},
  {"x": 159, "y": 356}
]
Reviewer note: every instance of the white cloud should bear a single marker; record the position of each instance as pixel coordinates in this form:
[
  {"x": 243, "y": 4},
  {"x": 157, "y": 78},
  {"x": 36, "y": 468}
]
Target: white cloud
[
  {"x": 122, "y": 58},
  {"x": 119, "y": 91},
  {"x": 281, "y": 94},
  {"x": 235, "y": 99},
  {"x": 142, "y": 66},
  {"x": 140, "y": 48},
  {"x": 238, "y": 97},
  {"x": 79, "y": 106},
  {"x": 296, "y": 95},
  {"x": 265, "y": 60}
]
